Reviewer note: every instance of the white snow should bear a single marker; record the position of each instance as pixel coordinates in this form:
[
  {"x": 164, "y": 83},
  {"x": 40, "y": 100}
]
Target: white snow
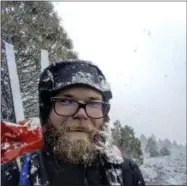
[
  {"x": 34, "y": 123},
  {"x": 5, "y": 145},
  {"x": 14, "y": 168},
  {"x": 73, "y": 60},
  {"x": 37, "y": 181},
  {"x": 7, "y": 173},
  {"x": 33, "y": 169},
  {"x": 27, "y": 98},
  {"x": 86, "y": 78},
  {"x": 10, "y": 135},
  {"x": 168, "y": 170},
  {"x": 11, "y": 124},
  {"x": 25, "y": 71},
  {"x": 53, "y": 46}
]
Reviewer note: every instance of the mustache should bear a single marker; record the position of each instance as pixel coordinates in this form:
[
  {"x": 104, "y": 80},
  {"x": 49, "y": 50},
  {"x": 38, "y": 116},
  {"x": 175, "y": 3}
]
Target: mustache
[
  {"x": 70, "y": 127},
  {"x": 77, "y": 126},
  {"x": 74, "y": 126}
]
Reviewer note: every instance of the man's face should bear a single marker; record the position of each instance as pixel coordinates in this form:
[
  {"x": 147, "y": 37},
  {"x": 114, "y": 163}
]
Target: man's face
[{"x": 76, "y": 130}]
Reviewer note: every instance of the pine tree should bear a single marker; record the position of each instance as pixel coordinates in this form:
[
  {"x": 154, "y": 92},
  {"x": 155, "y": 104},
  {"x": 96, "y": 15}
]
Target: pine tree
[
  {"x": 167, "y": 143},
  {"x": 152, "y": 147},
  {"x": 31, "y": 26},
  {"x": 143, "y": 141},
  {"x": 124, "y": 138},
  {"x": 175, "y": 144},
  {"x": 165, "y": 151},
  {"x": 7, "y": 107},
  {"x": 153, "y": 137}
]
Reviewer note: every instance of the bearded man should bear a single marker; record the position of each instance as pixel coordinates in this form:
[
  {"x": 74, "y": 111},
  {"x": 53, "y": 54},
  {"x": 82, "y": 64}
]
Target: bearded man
[{"x": 74, "y": 114}]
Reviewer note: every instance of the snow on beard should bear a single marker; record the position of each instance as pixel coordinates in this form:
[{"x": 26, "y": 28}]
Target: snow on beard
[{"x": 76, "y": 151}]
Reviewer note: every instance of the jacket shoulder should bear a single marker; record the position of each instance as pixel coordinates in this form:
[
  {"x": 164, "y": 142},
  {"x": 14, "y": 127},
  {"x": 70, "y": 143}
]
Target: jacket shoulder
[
  {"x": 131, "y": 169},
  {"x": 10, "y": 174}
]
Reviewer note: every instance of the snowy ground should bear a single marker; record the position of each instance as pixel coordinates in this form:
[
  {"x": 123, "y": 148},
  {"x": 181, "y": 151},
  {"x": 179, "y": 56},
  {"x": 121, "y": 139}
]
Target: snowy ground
[{"x": 165, "y": 170}]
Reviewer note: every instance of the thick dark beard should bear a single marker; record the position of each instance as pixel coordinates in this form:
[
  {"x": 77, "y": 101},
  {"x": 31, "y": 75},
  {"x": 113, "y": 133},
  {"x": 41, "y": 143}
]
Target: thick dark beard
[{"x": 81, "y": 151}]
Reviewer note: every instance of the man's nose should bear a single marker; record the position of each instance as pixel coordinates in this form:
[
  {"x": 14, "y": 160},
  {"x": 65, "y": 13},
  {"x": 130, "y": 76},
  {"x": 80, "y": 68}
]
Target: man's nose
[{"x": 81, "y": 114}]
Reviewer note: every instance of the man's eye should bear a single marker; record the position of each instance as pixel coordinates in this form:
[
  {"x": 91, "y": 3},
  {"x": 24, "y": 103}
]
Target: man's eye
[
  {"x": 65, "y": 101},
  {"x": 95, "y": 104}
]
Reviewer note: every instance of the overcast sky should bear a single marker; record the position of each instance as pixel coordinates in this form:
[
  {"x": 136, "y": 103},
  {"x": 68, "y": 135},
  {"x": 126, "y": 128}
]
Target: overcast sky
[{"x": 141, "y": 48}]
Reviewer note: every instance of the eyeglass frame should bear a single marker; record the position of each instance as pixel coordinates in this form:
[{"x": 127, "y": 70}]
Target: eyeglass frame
[{"x": 80, "y": 105}]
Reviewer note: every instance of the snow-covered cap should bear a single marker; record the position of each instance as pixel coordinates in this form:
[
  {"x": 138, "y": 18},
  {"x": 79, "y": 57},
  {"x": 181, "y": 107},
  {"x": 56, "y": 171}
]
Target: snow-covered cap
[{"x": 63, "y": 74}]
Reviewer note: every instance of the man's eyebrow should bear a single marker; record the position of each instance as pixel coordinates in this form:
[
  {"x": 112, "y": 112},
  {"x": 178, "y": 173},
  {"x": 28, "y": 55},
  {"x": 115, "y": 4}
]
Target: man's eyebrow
[
  {"x": 67, "y": 95},
  {"x": 93, "y": 98}
]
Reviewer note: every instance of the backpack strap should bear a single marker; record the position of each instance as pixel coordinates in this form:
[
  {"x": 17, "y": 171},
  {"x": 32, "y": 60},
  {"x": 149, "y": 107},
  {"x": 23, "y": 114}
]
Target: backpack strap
[
  {"x": 30, "y": 169},
  {"x": 127, "y": 173},
  {"x": 132, "y": 175},
  {"x": 25, "y": 171},
  {"x": 137, "y": 174}
]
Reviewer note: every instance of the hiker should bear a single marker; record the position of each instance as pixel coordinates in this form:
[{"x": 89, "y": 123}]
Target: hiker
[{"x": 74, "y": 115}]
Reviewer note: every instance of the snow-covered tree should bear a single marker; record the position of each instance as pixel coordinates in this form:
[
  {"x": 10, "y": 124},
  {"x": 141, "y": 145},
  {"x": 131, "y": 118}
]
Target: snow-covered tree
[
  {"x": 143, "y": 141},
  {"x": 167, "y": 143},
  {"x": 7, "y": 107},
  {"x": 164, "y": 151},
  {"x": 153, "y": 137},
  {"x": 31, "y": 26},
  {"x": 175, "y": 144},
  {"x": 124, "y": 138},
  {"x": 152, "y": 147}
]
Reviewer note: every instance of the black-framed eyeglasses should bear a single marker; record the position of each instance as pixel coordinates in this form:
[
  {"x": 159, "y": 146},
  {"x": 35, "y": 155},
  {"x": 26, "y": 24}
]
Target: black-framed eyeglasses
[{"x": 69, "y": 107}]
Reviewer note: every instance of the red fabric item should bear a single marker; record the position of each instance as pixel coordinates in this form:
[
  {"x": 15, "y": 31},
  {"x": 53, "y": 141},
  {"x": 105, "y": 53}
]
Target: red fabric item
[{"x": 20, "y": 138}]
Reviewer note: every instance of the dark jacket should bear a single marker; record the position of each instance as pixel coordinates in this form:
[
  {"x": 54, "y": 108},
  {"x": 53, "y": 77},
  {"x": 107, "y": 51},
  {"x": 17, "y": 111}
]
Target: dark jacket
[{"x": 43, "y": 169}]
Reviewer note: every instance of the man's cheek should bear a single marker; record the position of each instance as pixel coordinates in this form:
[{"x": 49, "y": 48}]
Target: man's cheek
[
  {"x": 98, "y": 123},
  {"x": 63, "y": 122}
]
